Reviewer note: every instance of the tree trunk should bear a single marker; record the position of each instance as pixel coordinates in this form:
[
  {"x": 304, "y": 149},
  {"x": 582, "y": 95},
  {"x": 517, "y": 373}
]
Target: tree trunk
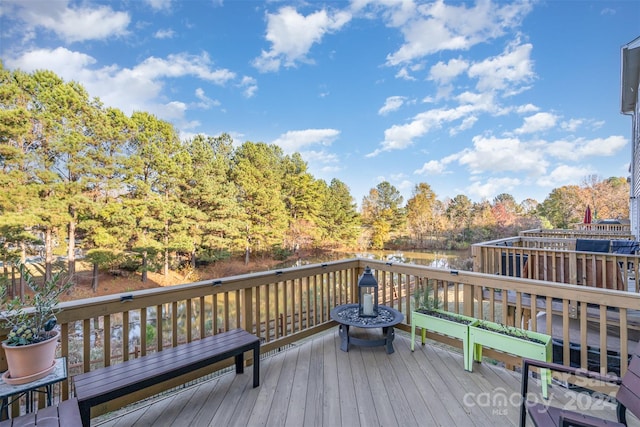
[
  {"x": 144, "y": 267},
  {"x": 23, "y": 260},
  {"x": 165, "y": 271},
  {"x": 248, "y": 249},
  {"x": 13, "y": 281},
  {"x": 71, "y": 250},
  {"x": 48, "y": 254},
  {"x": 94, "y": 280}
]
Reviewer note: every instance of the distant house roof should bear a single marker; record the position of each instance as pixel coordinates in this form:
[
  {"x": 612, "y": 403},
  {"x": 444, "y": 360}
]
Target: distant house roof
[{"x": 630, "y": 75}]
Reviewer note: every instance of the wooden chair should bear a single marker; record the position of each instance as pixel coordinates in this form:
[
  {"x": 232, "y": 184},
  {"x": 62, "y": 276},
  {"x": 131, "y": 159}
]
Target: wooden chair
[{"x": 627, "y": 396}]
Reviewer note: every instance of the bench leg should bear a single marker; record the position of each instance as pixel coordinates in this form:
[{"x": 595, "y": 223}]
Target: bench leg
[
  {"x": 85, "y": 414},
  {"x": 239, "y": 363},
  {"x": 256, "y": 366}
]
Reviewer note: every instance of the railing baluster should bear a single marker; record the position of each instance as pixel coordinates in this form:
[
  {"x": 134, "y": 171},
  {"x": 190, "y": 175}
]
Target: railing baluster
[
  {"x": 174, "y": 323},
  {"x": 159, "y": 328},
  {"x": 143, "y": 331},
  {"x": 202, "y": 315},
  {"x": 225, "y": 309}
]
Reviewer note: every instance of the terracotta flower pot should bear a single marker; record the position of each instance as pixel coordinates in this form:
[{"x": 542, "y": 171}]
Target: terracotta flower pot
[{"x": 30, "y": 362}]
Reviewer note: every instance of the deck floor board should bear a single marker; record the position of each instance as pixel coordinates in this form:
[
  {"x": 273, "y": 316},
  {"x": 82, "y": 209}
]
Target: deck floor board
[{"x": 314, "y": 383}]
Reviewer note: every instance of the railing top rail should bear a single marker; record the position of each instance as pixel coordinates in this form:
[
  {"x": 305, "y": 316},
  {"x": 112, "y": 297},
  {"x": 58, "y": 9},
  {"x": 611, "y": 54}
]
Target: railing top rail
[
  {"x": 565, "y": 241},
  {"x": 110, "y": 304},
  {"x": 86, "y": 308},
  {"x": 618, "y": 233},
  {"x": 587, "y": 294},
  {"x": 498, "y": 242}
]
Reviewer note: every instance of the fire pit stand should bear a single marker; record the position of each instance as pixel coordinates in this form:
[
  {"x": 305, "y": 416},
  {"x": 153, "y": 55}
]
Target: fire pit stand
[{"x": 347, "y": 316}]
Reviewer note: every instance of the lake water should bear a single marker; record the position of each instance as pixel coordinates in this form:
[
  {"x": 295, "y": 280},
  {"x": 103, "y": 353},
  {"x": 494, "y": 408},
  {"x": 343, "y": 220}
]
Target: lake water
[{"x": 439, "y": 259}]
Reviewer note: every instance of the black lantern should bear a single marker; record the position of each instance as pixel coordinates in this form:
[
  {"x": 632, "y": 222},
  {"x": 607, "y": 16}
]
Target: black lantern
[{"x": 368, "y": 294}]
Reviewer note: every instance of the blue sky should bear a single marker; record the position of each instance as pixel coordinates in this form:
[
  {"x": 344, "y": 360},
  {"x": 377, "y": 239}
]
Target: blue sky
[{"x": 475, "y": 98}]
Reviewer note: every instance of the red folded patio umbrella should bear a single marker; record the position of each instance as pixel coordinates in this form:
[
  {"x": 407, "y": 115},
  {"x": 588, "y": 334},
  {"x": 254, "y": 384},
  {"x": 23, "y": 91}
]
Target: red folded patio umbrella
[{"x": 587, "y": 215}]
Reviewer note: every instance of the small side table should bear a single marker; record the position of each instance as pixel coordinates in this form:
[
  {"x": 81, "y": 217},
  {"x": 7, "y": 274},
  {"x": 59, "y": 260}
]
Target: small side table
[{"x": 10, "y": 393}]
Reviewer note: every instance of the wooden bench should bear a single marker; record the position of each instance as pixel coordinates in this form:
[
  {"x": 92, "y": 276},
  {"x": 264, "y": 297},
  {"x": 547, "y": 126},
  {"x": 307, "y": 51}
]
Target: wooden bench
[
  {"x": 64, "y": 414},
  {"x": 542, "y": 414},
  {"x": 105, "y": 384}
]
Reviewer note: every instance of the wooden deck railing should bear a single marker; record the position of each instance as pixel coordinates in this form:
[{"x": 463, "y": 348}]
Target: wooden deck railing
[
  {"x": 556, "y": 260},
  {"x": 284, "y": 306},
  {"x": 623, "y": 228},
  {"x": 584, "y": 231}
]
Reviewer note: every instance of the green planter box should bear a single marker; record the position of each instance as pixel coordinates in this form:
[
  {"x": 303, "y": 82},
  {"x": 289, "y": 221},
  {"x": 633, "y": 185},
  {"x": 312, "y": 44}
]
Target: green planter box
[
  {"x": 451, "y": 328},
  {"x": 496, "y": 338}
]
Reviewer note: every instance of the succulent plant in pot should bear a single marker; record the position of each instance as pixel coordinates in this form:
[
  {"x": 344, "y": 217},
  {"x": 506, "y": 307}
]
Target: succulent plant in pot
[{"x": 32, "y": 337}]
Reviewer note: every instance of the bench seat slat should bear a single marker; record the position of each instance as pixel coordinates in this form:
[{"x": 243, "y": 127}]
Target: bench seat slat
[
  {"x": 148, "y": 372},
  {"x": 166, "y": 361},
  {"x": 155, "y": 367},
  {"x": 104, "y": 384}
]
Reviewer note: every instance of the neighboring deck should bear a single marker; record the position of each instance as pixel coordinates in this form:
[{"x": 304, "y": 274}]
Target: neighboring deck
[{"x": 313, "y": 383}]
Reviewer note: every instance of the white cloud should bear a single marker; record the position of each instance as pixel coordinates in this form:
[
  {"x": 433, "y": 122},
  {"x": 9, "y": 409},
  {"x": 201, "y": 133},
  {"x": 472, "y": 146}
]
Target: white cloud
[
  {"x": 392, "y": 103},
  {"x": 164, "y": 34},
  {"x": 405, "y": 184},
  {"x": 321, "y": 156},
  {"x": 171, "y": 111},
  {"x": 505, "y": 72},
  {"x": 538, "y": 123},
  {"x": 294, "y": 140},
  {"x": 399, "y": 137},
  {"x": 65, "y": 63},
  {"x": 250, "y": 86},
  {"x": 182, "y": 64},
  {"x": 492, "y": 187},
  {"x": 433, "y": 27},
  {"x": 602, "y": 146},
  {"x": 292, "y": 35},
  {"x": 322, "y": 161},
  {"x": 466, "y": 124},
  {"x": 564, "y": 175},
  {"x": 571, "y": 125},
  {"x": 205, "y": 101},
  {"x": 491, "y": 154},
  {"x": 130, "y": 89},
  {"x": 444, "y": 73},
  {"x": 403, "y": 73},
  {"x": 71, "y": 23},
  {"x": 432, "y": 167},
  {"x": 527, "y": 108},
  {"x": 580, "y": 148},
  {"x": 159, "y": 4}
]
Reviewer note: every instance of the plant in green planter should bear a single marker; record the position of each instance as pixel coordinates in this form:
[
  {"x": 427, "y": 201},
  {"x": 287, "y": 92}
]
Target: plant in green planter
[
  {"x": 428, "y": 316},
  {"x": 511, "y": 340},
  {"x": 31, "y": 325}
]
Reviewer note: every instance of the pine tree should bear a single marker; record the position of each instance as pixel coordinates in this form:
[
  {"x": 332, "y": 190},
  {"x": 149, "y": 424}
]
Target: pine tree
[{"x": 258, "y": 173}]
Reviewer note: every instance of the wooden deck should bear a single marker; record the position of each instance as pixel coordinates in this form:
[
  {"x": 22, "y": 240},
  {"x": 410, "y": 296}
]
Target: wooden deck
[{"x": 316, "y": 384}]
